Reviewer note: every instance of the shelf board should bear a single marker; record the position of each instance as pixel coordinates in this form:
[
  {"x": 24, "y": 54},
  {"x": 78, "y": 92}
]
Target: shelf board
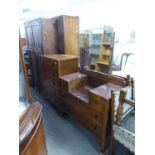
[
  {"x": 104, "y": 43},
  {"x": 106, "y": 54},
  {"x": 96, "y": 44},
  {"x": 103, "y": 63}
]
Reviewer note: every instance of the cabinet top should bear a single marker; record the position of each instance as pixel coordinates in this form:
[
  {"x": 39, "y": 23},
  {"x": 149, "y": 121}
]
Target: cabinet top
[
  {"x": 105, "y": 90},
  {"x": 60, "y": 57},
  {"x": 73, "y": 76}
]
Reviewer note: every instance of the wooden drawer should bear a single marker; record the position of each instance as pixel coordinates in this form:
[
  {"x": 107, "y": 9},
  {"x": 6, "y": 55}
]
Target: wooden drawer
[
  {"x": 55, "y": 83},
  {"x": 64, "y": 86},
  {"x": 68, "y": 66},
  {"x": 98, "y": 103},
  {"x": 88, "y": 122},
  {"x": 60, "y": 64},
  {"x": 50, "y": 92},
  {"x": 50, "y": 67},
  {"x": 63, "y": 94},
  {"x": 84, "y": 108}
]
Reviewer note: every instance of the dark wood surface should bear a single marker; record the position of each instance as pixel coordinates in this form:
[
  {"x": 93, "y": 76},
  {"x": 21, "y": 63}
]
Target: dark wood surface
[
  {"x": 31, "y": 133},
  {"x": 105, "y": 78},
  {"x": 73, "y": 76},
  {"x": 40, "y": 35},
  {"x": 105, "y": 90},
  {"x": 50, "y": 36},
  {"x": 88, "y": 102},
  {"x": 53, "y": 66},
  {"x": 82, "y": 93}
]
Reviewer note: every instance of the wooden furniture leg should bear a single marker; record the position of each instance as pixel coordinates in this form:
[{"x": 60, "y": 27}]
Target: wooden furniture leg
[
  {"x": 120, "y": 107},
  {"x": 102, "y": 142},
  {"x": 112, "y": 121},
  {"x": 133, "y": 89}
]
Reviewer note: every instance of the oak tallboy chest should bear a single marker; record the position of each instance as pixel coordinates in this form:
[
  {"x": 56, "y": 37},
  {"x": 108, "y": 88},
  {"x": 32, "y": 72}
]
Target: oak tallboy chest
[{"x": 52, "y": 67}]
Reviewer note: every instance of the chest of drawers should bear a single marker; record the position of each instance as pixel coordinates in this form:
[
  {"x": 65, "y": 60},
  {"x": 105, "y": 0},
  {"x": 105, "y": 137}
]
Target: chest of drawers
[{"x": 52, "y": 67}]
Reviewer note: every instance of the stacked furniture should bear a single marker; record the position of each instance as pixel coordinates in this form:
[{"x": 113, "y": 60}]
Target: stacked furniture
[
  {"x": 50, "y": 36},
  {"x": 85, "y": 95},
  {"x": 87, "y": 98},
  {"x": 52, "y": 67}
]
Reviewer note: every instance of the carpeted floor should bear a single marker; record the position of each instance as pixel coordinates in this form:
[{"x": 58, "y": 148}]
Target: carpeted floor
[{"x": 65, "y": 136}]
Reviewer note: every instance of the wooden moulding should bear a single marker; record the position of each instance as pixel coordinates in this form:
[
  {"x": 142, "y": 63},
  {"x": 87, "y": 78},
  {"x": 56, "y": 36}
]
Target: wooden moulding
[
  {"x": 31, "y": 133},
  {"x": 105, "y": 77}
]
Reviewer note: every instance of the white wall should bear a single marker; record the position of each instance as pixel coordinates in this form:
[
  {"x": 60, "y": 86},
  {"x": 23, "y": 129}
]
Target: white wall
[{"x": 93, "y": 13}]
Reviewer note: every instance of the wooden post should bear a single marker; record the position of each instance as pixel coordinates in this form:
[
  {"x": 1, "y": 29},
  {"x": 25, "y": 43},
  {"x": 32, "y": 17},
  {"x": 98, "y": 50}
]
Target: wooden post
[
  {"x": 112, "y": 105},
  {"x": 128, "y": 80},
  {"x": 120, "y": 106},
  {"x": 133, "y": 89}
]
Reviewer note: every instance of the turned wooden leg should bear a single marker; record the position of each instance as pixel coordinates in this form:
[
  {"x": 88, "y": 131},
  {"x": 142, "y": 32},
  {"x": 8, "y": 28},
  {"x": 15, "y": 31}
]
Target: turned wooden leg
[
  {"x": 119, "y": 114},
  {"x": 120, "y": 107}
]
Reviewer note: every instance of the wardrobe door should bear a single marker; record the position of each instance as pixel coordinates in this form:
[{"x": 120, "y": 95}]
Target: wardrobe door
[
  {"x": 36, "y": 30},
  {"x": 29, "y": 36}
]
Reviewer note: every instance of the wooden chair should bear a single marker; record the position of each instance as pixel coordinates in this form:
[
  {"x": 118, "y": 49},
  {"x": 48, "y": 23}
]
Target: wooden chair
[{"x": 118, "y": 132}]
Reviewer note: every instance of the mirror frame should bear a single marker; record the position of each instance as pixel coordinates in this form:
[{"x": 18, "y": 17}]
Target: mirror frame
[{"x": 27, "y": 91}]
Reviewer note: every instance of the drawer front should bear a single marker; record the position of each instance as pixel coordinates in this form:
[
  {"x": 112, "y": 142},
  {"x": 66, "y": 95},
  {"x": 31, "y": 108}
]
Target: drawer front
[
  {"x": 51, "y": 93},
  {"x": 64, "y": 69},
  {"x": 85, "y": 108},
  {"x": 49, "y": 67},
  {"x": 64, "y": 86},
  {"x": 89, "y": 123},
  {"x": 63, "y": 94},
  {"x": 98, "y": 103},
  {"x": 53, "y": 69},
  {"x": 55, "y": 83}
]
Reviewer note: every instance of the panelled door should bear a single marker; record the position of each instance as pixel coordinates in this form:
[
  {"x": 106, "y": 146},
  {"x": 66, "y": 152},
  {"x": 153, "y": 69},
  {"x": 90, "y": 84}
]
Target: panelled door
[
  {"x": 29, "y": 36},
  {"x": 36, "y": 26}
]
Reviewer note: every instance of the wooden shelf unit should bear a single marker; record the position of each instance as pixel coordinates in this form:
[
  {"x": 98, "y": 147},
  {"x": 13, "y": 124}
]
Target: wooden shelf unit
[{"x": 106, "y": 50}]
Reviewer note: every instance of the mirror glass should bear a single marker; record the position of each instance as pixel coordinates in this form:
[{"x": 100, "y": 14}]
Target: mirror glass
[{"x": 23, "y": 101}]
